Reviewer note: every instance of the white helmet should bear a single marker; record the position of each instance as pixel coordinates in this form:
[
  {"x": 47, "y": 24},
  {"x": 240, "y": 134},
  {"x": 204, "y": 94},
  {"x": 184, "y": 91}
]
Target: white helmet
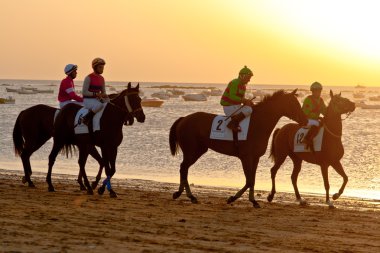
[{"x": 70, "y": 68}]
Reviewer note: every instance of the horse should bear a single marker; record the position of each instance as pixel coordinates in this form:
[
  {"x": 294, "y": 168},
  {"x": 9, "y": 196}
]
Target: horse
[
  {"x": 331, "y": 153},
  {"x": 191, "y": 134},
  {"x": 32, "y": 129},
  {"x": 127, "y": 104}
]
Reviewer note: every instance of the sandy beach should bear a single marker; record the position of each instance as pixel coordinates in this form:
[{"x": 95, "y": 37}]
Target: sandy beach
[{"x": 145, "y": 218}]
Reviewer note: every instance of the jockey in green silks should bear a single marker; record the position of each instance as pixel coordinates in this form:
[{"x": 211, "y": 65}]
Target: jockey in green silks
[
  {"x": 233, "y": 98},
  {"x": 313, "y": 105}
]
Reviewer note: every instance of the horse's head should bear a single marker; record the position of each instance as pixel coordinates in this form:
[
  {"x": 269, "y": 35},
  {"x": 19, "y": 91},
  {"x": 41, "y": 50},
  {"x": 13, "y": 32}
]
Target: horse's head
[
  {"x": 340, "y": 105},
  {"x": 292, "y": 108},
  {"x": 130, "y": 101}
]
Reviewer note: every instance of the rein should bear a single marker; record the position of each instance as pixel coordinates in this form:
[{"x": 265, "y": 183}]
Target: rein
[{"x": 131, "y": 112}]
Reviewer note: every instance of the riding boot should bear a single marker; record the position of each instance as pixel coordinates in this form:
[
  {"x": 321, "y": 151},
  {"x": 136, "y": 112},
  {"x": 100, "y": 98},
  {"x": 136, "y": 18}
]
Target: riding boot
[
  {"x": 86, "y": 119},
  {"x": 308, "y": 139},
  {"x": 234, "y": 123}
]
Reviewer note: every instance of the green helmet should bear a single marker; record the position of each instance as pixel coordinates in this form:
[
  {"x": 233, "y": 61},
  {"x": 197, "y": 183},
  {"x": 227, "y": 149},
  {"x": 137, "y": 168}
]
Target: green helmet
[
  {"x": 316, "y": 86},
  {"x": 245, "y": 71}
]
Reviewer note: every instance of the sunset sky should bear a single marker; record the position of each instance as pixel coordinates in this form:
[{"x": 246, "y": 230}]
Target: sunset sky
[{"x": 203, "y": 41}]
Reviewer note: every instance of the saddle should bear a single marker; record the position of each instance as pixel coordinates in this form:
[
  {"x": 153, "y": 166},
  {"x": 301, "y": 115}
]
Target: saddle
[{"x": 313, "y": 131}]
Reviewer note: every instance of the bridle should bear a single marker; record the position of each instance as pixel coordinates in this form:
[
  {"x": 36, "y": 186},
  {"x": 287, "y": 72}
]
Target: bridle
[
  {"x": 129, "y": 110},
  {"x": 328, "y": 130}
]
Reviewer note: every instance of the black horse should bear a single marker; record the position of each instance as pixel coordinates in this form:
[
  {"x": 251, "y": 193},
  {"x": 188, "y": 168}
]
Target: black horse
[
  {"x": 127, "y": 105},
  {"x": 33, "y": 128}
]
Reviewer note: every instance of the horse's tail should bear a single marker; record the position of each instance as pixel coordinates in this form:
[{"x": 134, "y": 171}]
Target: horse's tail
[
  {"x": 18, "y": 140},
  {"x": 64, "y": 131},
  {"x": 173, "y": 137},
  {"x": 272, "y": 148}
]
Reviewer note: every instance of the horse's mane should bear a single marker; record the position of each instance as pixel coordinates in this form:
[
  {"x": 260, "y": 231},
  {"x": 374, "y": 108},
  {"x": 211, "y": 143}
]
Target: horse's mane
[{"x": 274, "y": 96}]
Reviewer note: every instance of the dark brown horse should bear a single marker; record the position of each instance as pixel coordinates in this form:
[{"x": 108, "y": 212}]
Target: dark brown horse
[
  {"x": 191, "y": 134},
  {"x": 32, "y": 129},
  {"x": 331, "y": 153},
  {"x": 126, "y": 105}
]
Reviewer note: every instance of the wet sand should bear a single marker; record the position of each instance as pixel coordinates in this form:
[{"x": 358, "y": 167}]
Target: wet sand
[{"x": 145, "y": 218}]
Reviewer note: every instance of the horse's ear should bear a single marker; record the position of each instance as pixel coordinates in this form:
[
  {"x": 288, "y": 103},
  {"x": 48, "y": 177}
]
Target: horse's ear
[
  {"x": 138, "y": 85},
  {"x": 331, "y": 94},
  {"x": 129, "y": 85},
  {"x": 340, "y": 94},
  {"x": 294, "y": 92}
]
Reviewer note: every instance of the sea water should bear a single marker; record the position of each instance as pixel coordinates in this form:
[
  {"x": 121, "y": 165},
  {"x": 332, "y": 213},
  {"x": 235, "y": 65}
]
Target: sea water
[{"x": 145, "y": 154}]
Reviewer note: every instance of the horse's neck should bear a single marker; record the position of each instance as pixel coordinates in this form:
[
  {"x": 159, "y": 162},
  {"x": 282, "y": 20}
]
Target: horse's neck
[
  {"x": 333, "y": 122},
  {"x": 114, "y": 115},
  {"x": 267, "y": 118}
]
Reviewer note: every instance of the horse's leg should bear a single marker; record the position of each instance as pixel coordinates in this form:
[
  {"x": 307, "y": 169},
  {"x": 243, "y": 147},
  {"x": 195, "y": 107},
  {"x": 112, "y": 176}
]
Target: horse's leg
[
  {"x": 25, "y": 158},
  {"x": 53, "y": 155},
  {"x": 188, "y": 160},
  {"x": 83, "y": 154},
  {"x": 107, "y": 169},
  {"x": 339, "y": 169},
  {"x": 249, "y": 167},
  {"x": 279, "y": 160},
  {"x": 325, "y": 176},
  {"x": 95, "y": 154},
  {"x": 254, "y": 165},
  {"x": 30, "y": 148},
  {"x": 297, "y": 164},
  {"x": 112, "y": 161}
]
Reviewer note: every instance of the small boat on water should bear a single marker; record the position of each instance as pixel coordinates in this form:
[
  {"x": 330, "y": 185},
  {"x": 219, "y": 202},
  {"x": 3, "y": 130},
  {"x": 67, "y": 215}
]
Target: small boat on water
[
  {"x": 151, "y": 102},
  {"x": 194, "y": 97},
  {"x": 8, "y": 100},
  {"x": 161, "y": 95},
  {"x": 367, "y": 106},
  {"x": 44, "y": 91},
  {"x": 11, "y": 89},
  {"x": 374, "y": 98},
  {"x": 26, "y": 91}
]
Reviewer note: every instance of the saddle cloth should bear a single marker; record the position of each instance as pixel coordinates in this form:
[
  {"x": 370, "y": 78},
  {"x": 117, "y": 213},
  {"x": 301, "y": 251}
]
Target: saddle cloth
[
  {"x": 81, "y": 128},
  {"x": 220, "y": 131},
  {"x": 301, "y": 147}
]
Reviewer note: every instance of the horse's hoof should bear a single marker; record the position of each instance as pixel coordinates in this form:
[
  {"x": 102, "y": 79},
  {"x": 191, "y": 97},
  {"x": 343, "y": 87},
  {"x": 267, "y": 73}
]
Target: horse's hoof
[
  {"x": 176, "y": 195},
  {"x": 113, "y": 194},
  {"x": 336, "y": 196},
  {"x": 270, "y": 198},
  {"x": 302, "y": 202},
  {"x": 90, "y": 192},
  {"x": 23, "y": 180},
  {"x": 31, "y": 185},
  {"x": 256, "y": 205},
  {"x": 51, "y": 189},
  {"x": 194, "y": 200},
  {"x": 231, "y": 199},
  {"x": 82, "y": 188},
  {"x": 330, "y": 204},
  {"x": 101, "y": 190},
  {"x": 94, "y": 185}
]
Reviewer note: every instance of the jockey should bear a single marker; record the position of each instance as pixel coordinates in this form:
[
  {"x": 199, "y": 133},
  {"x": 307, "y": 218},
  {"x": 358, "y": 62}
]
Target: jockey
[
  {"x": 66, "y": 92},
  {"x": 94, "y": 90},
  {"x": 233, "y": 98},
  {"x": 313, "y": 106}
]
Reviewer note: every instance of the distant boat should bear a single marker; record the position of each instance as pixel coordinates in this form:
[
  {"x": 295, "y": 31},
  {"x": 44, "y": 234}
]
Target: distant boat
[
  {"x": 161, "y": 95},
  {"x": 375, "y": 98},
  {"x": 367, "y": 106},
  {"x": 11, "y": 89},
  {"x": 151, "y": 102},
  {"x": 360, "y": 86},
  {"x": 8, "y": 100},
  {"x": 358, "y": 95},
  {"x": 44, "y": 91},
  {"x": 176, "y": 92},
  {"x": 26, "y": 91},
  {"x": 195, "y": 97}
]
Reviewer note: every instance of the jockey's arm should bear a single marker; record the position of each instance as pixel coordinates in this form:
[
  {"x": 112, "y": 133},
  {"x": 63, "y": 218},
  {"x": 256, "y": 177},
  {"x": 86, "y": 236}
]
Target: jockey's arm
[{"x": 86, "y": 86}]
